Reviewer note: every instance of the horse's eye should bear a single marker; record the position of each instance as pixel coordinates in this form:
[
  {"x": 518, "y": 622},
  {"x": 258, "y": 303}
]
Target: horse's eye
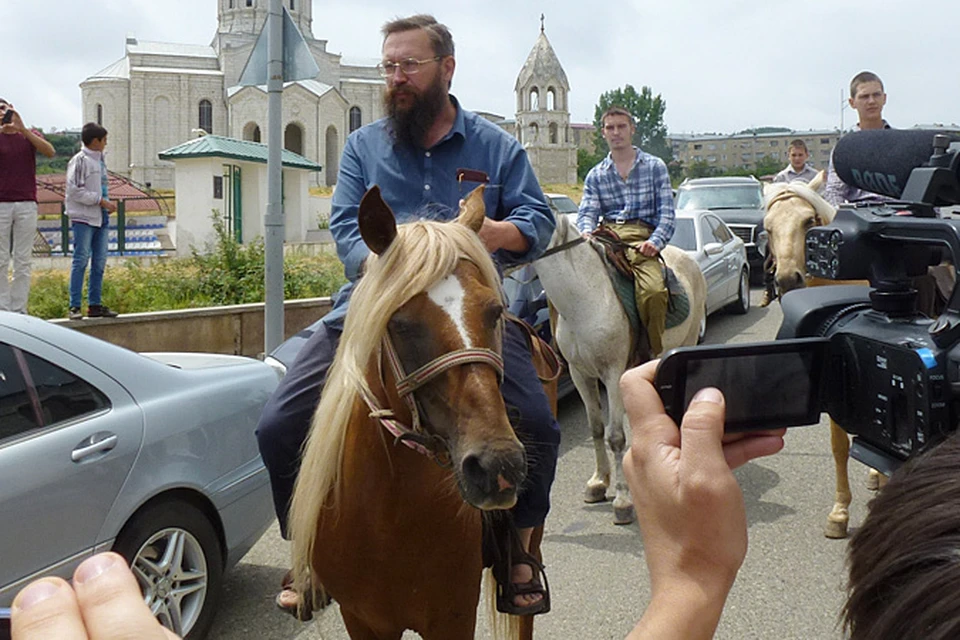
[{"x": 492, "y": 314}]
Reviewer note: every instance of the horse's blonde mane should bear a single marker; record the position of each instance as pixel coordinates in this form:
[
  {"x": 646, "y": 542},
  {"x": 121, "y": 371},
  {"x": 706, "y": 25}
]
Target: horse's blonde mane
[
  {"x": 422, "y": 254},
  {"x": 823, "y": 208}
]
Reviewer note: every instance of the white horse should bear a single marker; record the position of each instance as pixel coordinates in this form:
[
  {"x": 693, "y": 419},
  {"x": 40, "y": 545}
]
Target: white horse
[{"x": 593, "y": 334}]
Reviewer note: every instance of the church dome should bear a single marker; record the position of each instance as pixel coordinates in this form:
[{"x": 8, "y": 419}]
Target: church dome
[{"x": 542, "y": 63}]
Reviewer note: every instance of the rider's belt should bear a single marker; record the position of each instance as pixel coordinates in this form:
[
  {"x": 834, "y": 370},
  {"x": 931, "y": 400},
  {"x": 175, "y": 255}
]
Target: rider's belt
[{"x": 635, "y": 221}]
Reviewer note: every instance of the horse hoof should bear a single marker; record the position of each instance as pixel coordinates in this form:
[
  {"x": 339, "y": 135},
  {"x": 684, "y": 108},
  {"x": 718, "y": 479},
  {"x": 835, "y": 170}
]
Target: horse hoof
[
  {"x": 873, "y": 480},
  {"x": 835, "y": 530},
  {"x": 595, "y": 493},
  {"x": 623, "y": 515}
]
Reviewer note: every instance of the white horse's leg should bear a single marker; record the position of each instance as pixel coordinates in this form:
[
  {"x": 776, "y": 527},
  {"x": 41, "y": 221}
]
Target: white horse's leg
[
  {"x": 840, "y": 515},
  {"x": 618, "y": 429},
  {"x": 596, "y": 490}
]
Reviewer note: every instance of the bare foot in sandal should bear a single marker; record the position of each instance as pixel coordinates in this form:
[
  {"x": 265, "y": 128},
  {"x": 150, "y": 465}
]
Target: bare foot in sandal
[{"x": 522, "y": 574}]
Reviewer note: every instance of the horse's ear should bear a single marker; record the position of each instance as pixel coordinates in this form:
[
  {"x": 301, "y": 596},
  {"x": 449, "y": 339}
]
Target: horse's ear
[
  {"x": 818, "y": 180},
  {"x": 472, "y": 210},
  {"x": 378, "y": 225}
]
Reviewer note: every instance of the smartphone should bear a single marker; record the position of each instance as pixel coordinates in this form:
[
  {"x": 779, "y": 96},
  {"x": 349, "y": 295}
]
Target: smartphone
[
  {"x": 7, "y": 117},
  {"x": 766, "y": 385}
]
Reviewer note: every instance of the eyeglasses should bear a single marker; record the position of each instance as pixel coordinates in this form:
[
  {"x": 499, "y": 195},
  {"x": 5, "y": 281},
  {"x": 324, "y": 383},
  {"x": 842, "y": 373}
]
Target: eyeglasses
[{"x": 410, "y": 66}]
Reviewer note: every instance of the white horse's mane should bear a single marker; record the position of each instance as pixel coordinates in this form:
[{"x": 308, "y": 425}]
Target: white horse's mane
[{"x": 823, "y": 208}]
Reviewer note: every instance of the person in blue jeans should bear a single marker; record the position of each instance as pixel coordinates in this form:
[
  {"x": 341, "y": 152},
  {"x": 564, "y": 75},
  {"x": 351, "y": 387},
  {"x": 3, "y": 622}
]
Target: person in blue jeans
[{"x": 89, "y": 207}]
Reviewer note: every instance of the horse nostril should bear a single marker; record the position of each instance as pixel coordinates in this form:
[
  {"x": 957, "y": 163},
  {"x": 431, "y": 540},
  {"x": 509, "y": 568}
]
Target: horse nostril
[
  {"x": 494, "y": 473},
  {"x": 474, "y": 473}
]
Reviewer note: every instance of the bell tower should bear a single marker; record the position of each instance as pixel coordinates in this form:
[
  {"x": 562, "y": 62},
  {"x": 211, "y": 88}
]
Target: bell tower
[
  {"x": 543, "y": 115},
  {"x": 247, "y": 16}
]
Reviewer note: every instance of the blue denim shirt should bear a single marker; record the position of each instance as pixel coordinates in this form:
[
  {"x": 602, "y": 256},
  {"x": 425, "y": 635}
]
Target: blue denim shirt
[{"x": 422, "y": 183}]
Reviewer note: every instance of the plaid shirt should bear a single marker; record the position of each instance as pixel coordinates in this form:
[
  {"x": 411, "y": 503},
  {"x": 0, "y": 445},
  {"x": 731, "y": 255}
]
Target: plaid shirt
[
  {"x": 838, "y": 192},
  {"x": 645, "y": 196}
]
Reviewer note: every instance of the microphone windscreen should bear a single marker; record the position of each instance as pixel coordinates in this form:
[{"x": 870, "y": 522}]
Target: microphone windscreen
[{"x": 880, "y": 160}]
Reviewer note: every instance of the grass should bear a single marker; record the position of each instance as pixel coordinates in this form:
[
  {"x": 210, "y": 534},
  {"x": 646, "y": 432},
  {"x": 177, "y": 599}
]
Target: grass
[{"x": 573, "y": 191}]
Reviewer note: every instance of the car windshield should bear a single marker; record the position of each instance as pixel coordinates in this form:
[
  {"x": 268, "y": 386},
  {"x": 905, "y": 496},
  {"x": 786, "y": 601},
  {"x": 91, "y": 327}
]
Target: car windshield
[
  {"x": 563, "y": 204},
  {"x": 720, "y": 197},
  {"x": 684, "y": 236}
]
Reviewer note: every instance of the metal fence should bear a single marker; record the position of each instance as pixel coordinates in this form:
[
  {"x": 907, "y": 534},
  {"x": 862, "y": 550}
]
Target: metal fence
[{"x": 131, "y": 239}]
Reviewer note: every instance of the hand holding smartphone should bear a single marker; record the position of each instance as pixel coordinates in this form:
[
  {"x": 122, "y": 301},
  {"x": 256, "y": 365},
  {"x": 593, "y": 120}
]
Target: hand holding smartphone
[
  {"x": 766, "y": 385},
  {"x": 7, "y": 117}
]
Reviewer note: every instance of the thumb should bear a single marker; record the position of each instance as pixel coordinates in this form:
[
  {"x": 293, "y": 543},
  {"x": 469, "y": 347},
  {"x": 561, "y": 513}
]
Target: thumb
[{"x": 701, "y": 432}]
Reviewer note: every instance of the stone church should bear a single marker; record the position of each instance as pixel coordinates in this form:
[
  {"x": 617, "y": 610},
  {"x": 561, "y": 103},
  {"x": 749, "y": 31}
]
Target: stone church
[
  {"x": 160, "y": 94},
  {"x": 543, "y": 115}
]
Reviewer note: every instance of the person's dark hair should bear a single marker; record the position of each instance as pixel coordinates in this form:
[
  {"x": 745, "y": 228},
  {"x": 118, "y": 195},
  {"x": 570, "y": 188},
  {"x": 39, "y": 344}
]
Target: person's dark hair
[
  {"x": 904, "y": 562},
  {"x": 440, "y": 38},
  {"x": 799, "y": 144},
  {"x": 862, "y": 77},
  {"x": 616, "y": 111},
  {"x": 90, "y": 132}
]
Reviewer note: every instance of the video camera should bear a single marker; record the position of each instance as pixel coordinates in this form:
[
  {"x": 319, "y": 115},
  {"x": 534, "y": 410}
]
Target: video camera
[{"x": 885, "y": 372}]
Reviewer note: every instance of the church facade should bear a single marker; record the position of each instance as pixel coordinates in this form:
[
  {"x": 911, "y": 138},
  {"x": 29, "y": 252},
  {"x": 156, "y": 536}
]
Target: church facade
[{"x": 160, "y": 95}]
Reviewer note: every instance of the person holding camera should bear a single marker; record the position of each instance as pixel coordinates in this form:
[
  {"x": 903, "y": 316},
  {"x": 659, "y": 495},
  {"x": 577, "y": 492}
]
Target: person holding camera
[
  {"x": 89, "y": 207},
  {"x": 18, "y": 204}
]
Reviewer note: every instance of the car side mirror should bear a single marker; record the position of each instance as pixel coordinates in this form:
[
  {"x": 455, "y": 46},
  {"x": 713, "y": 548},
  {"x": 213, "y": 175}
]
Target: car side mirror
[{"x": 712, "y": 248}]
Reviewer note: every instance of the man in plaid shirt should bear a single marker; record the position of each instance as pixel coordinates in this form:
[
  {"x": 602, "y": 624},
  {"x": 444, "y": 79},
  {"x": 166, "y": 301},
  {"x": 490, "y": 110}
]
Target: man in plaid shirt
[{"x": 630, "y": 190}]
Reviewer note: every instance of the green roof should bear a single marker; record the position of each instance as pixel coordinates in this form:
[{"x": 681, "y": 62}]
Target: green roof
[{"x": 220, "y": 147}]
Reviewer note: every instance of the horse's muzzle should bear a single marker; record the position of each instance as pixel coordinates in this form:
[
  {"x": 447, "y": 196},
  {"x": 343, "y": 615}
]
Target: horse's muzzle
[
  {"x": 790, "y": 281},
  {"x": 490, "y": 478}
]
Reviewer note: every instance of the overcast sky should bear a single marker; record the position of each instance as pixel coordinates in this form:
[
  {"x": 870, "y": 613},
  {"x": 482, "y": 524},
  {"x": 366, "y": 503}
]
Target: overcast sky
[{"x": 721, "y": 65}]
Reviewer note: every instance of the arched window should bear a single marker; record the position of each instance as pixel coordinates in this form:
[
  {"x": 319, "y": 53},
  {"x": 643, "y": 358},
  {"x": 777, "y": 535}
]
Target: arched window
[
  {"x": 534, "y": 99},
  {"x": 332, "y": 143},
  {"x": 553, "y": 133},
  {"x": 249, "y": 3},
  {"x": 551, "y": 99},
  {"x": 356, "y": 119},
  {"x": 206, "y": 116},
  {"x": 231, "y": 4},
  {"x": 534, "y": 133},
  {"x": 100, "y": 114},
  {"x": 251, "y": 132},
  {"x": 291, "y": 6},
  {"x": 293, "y": 138}
]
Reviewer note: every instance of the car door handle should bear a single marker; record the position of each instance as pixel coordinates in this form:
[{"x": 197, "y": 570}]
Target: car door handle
[{"x": 97, "y": 443}]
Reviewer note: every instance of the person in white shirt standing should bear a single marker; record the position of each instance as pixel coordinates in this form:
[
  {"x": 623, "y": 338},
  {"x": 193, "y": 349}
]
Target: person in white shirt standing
[
  {"x": 798, "y": 169},
  {"x": 89, "y": 209}
]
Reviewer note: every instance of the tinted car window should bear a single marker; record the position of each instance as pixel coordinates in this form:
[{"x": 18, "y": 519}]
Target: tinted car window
[
  {"x": 717, "y": 230},
  {"x": 562, "y": 204},
  {"x": 720, "y": 197},
  {"x": 17, "y": 413},
  {"x": 684, "y": 236},
  {"x": 46, "y": 396}
]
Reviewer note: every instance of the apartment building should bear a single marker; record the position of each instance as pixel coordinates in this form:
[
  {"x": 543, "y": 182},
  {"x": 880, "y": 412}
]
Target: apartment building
[{"x": 743, "y": 151}]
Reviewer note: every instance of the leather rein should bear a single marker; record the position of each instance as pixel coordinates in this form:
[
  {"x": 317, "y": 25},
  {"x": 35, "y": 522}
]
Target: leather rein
[{"x": 415, "y": 436}]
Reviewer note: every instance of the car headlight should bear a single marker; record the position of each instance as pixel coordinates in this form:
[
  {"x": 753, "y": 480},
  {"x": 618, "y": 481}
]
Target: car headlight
[{"x": 277, "y": 366}]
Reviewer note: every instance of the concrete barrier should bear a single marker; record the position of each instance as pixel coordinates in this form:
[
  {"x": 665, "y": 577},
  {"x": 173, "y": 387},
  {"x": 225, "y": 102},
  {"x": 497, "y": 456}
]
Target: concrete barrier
[{"x": 234, "y": 329}]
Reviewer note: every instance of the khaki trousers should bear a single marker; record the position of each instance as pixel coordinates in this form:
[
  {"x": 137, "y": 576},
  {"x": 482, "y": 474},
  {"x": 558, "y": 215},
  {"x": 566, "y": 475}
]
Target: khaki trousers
[{"x": 651, "y": 292}]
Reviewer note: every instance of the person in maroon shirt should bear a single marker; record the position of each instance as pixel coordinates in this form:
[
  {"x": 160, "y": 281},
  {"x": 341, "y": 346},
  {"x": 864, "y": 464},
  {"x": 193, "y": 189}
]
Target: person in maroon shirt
[{"x": 18, "y": 204}]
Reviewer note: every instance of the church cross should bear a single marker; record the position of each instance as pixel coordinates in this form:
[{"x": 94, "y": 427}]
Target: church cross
[{"x": 541, "y": 23}]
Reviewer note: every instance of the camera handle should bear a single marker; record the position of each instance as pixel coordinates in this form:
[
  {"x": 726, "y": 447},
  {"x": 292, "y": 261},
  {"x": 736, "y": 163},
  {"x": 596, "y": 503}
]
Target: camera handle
[{"x": 945, "y": 331}]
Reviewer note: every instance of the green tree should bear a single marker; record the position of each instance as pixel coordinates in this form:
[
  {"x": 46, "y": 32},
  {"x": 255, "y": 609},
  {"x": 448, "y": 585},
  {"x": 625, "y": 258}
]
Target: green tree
[
  {"x": 767, "y": 165},
  {"x": 647, "y": 110},
  {"x": 701, "y": 169}
]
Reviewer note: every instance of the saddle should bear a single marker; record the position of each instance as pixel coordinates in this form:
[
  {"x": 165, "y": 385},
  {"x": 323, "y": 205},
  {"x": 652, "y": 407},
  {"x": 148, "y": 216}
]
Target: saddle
[
  {"x": 545, "y": 359},
  {"x": 612, "y": 251}
]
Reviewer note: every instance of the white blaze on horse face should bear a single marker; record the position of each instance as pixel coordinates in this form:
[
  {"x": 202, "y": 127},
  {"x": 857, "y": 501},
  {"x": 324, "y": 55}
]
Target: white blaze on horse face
[{"x": 448, "y": 295}]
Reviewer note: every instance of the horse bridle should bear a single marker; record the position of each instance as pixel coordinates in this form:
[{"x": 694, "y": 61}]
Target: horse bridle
[{"x": 415, "y": 436}]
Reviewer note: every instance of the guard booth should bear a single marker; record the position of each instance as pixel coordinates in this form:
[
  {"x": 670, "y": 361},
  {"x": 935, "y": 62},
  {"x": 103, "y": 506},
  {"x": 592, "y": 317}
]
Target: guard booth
[{"x": 227, "y": 178}]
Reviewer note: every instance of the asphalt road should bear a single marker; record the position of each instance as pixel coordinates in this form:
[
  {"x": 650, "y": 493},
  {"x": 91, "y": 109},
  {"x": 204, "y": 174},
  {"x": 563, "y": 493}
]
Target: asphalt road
[{"x": 791, "y": 585}]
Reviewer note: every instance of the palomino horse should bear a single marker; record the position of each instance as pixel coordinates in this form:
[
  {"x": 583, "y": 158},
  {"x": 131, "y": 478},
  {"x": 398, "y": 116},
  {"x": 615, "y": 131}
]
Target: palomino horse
[
  {"x": 393, "y": 535},
  {"x": 792, "y": 209},
  {"x": 593, "y": 334}
]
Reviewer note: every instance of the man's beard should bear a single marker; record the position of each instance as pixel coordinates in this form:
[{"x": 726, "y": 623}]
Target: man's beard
[{"x": 411, "y": 124}]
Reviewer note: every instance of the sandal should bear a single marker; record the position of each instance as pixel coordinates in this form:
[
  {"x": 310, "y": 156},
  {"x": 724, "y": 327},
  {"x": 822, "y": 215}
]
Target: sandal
[
  {"x": 507, "y": 590},
  {"x": 306, "y": 604},
  {"x": 502, "y": 551}
]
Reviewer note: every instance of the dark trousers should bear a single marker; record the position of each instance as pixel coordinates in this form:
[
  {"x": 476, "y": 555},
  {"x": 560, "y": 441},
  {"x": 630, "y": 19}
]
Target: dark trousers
[{"x": 286, "y": 417}]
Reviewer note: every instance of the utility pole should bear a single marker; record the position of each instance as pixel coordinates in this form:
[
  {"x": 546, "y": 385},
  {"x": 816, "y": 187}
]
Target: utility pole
[{"x": 273, "y": 221}]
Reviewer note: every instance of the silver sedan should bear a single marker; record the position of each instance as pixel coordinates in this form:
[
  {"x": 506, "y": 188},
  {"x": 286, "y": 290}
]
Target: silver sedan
[
  {"x": 722, "y": 258},
  {"x": 153, "y": 456}
]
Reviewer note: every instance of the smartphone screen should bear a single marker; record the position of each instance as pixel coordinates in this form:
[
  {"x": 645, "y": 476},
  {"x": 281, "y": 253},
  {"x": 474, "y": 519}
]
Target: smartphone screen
[{"x": 765, "y": 385}]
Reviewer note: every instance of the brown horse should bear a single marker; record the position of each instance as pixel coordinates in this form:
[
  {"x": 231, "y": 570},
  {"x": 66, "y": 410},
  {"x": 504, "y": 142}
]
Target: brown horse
[
  {"x": 792, "y": 209},
  {"x": 390, "y": 533}
]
